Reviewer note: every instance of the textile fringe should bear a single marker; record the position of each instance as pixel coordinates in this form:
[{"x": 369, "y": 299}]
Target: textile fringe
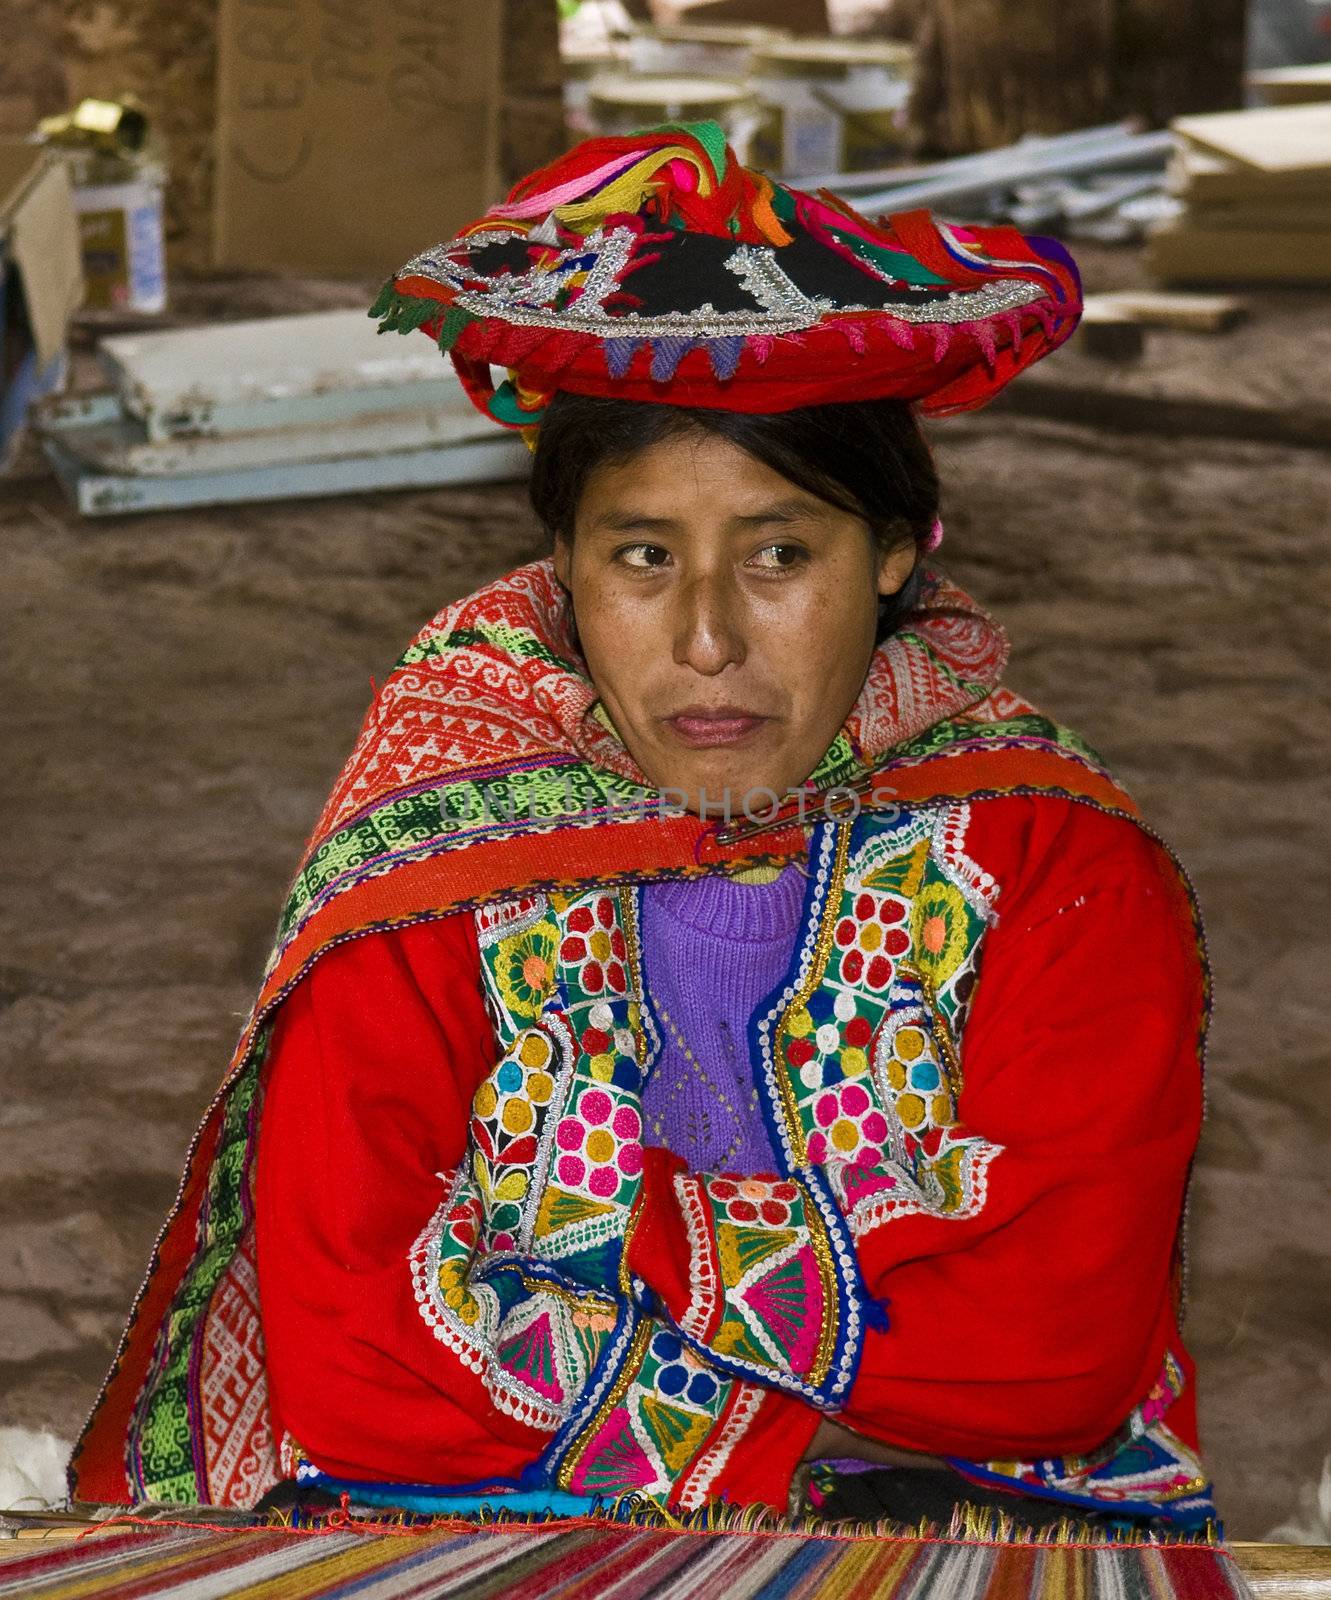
[
  {"x": 969, "y": 1524},
  {"x": 403, "y": 313},
  {"x": 454, "y": 320}
]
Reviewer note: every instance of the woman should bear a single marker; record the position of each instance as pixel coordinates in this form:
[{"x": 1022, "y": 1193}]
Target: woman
[{"x": 720, "y": 1040}]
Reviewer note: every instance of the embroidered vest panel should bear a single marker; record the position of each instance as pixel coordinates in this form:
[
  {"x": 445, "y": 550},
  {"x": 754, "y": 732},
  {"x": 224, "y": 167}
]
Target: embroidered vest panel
[{"x": 522, "y": 1271}]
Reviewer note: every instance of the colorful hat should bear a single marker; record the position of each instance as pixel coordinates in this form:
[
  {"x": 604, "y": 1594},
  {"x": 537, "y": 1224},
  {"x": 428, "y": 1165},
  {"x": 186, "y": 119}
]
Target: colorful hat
[{"x": 655, "y": 267}]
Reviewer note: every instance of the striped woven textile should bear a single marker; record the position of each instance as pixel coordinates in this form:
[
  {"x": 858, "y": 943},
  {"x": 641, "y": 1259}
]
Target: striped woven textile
[{"x": 585, "y": 1560}]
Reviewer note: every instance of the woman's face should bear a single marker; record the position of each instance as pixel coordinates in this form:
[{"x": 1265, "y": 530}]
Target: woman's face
[{"x": 727, "y": 617}]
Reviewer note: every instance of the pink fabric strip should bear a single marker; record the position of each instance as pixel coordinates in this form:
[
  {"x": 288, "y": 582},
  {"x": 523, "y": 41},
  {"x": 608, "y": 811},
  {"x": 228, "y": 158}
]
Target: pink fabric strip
[{"x": 575, "y": 189}]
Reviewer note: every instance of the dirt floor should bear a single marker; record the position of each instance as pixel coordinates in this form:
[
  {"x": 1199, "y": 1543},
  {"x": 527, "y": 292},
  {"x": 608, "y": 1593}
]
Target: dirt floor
[{"x": 179, "y": 691}]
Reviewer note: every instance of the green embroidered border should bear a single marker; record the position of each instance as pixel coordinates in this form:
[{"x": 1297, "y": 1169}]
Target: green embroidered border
[
  {"x": 579, "y": 794},
  {"x": 163, "y": 1462},
  {"x": 446, "y": 813},
  {"x": 1008, "y": 733},
  {"x": 521, "y": 643}
]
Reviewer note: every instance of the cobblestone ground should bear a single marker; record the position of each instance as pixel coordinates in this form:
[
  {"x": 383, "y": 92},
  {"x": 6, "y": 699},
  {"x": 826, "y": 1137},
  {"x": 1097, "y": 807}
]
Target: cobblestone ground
[{"x": 180, "y": 690}]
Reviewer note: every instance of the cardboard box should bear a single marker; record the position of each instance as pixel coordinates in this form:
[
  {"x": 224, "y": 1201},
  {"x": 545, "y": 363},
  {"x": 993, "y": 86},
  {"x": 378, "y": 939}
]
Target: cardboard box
[
  {"x": 350, "y": 136},
  {"x": 41, "y": 279}
]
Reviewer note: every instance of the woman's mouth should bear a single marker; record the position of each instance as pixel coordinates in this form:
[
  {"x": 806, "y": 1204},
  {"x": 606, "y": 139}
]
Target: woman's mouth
[{"x": 703, "y": 727}]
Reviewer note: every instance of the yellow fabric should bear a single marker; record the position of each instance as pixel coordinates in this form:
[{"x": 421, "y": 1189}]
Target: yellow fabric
[{"x": 630, "y": 190}]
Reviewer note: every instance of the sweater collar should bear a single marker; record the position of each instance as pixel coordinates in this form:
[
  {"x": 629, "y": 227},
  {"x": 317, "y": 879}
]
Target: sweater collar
[{"x": 724, "y": 912}]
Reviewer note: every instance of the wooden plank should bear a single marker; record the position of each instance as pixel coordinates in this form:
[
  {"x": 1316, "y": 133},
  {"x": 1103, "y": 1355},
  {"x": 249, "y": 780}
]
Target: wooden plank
[
  {"x": 1160, "y": 308},
  {"x": 1199, "y": 174},
  {"x": 501, "y": 459},
  {"x": 1273, "y": 215},
  {"x": 117, "y": 444},
  {"x": 1288, "y": 86},
  {"x": 30, "y": 1541},
  {"x": 64, "y": 411},
  {"x": 1186, "y": 253},
  {"x": 1285, "y": 1571},
  {"x": 1271, "y": 139}
]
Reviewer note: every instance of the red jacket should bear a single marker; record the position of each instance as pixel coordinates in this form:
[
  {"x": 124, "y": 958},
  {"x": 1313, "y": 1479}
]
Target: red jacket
[{"x": 1027, "y": 1330}]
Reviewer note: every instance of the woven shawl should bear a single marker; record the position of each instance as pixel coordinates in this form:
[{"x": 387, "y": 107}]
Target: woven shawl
[{"x": 483, "y": 771}]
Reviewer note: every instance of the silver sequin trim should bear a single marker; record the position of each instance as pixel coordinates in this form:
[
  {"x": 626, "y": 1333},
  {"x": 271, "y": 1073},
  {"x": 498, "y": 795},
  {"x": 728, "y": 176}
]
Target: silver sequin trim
[
  {"x": 786, "y": 306},
  {"x": 525, "y": 299}
]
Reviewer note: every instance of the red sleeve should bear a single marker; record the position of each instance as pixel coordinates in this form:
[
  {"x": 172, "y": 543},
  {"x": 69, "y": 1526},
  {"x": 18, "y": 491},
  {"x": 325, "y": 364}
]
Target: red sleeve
[
  {"x": 1034, "y": 1328},
  {"x": 762, "y": 1462},
  {"x": 1034, "y": 1325},
  {"x": 371, "y": 1070}
]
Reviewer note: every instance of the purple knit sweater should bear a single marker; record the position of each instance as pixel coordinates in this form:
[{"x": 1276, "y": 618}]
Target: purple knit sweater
[{"x": 712, "y": 949}]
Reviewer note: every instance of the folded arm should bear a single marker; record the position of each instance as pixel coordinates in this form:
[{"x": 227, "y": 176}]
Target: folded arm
[
  {"x": 371, "y": 1073},
  {"x": 1034, "y": 1323},
  {"x": 371, "y": 1070}
]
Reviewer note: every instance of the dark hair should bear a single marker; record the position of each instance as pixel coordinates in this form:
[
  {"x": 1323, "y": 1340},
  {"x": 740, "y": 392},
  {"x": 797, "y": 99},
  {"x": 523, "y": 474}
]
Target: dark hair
[{"x": 867, "y": 457}]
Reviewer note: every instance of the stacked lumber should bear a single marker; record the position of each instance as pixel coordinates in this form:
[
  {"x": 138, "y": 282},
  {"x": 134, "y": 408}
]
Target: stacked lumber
[
  {"x": 1255, "y": 193},
  {"x": 276, "y": 409},
  {"x": 1292, "y": 86}
]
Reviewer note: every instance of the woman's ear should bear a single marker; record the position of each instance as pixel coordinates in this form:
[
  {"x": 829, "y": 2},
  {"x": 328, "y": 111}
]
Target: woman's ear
[
  {"x": 563, "y": 561},
  {"x": 895, "y": 567}
]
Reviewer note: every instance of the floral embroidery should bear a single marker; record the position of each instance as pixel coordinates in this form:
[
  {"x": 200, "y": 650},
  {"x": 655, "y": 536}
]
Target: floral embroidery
[
  {"x": 499, "y": 930},
  {"x": 512, "y": 1112},
  {"x": 527, "y": 968},
  {"x": 518, "y": 1271},
  {"x": 654, "y": 1424},
  {"x": 774, "y": 1293},
  {"x": 940, "y": 931},
  {"x": 593, "y": 948}
]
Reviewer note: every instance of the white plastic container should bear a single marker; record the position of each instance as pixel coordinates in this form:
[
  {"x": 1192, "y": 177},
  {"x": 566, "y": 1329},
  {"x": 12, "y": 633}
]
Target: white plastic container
[
  {"x": 124, "y": 244},
  {"x": 831, "y": 105},
  {"x": 625, "y": 104}
]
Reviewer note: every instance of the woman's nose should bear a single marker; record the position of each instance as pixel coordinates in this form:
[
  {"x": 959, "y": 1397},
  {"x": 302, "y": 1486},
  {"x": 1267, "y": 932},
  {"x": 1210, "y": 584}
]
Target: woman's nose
[{"x": 708, "y": 627}]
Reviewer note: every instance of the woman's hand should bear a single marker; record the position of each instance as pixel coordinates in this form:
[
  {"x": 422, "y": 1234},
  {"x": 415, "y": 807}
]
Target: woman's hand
[{"x": 835, "y": 1441}]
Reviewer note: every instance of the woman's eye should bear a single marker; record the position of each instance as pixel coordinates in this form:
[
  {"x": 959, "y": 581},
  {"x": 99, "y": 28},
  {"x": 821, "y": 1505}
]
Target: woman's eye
[
  {"x": 779, "y": 557},
  {"x": 643, "y": 555}
]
